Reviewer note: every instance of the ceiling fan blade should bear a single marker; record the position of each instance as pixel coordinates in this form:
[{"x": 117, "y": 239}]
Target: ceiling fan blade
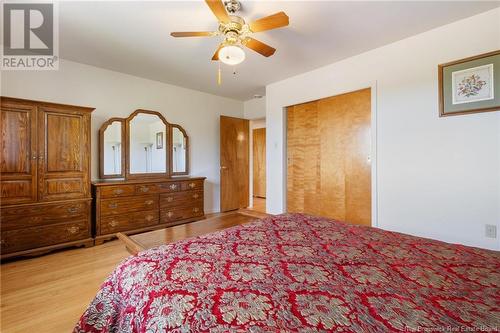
[
  {"x": 219, "y": 10},
  {"x": 274, "y": 21},
  {"x": 259, "y": 47},
  {"x": 192, "y": 34},
  {"x": 216, "y": 54}
]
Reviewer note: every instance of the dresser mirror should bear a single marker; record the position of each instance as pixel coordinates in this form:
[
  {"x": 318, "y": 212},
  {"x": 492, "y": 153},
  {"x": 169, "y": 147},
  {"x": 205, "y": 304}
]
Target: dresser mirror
[
  {"x": 179, "y": 149},
  {"x": 112, "y": 152},
  {"x": 143, "y": 145}
]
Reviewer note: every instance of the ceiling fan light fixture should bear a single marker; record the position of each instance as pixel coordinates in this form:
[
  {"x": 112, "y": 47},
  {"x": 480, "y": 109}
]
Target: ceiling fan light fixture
[{"x": 231, "y": 55}]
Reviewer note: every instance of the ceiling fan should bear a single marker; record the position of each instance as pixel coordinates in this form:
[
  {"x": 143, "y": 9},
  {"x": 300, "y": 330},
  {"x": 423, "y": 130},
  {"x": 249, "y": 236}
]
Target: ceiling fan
[{"x": 237, "y": 32}]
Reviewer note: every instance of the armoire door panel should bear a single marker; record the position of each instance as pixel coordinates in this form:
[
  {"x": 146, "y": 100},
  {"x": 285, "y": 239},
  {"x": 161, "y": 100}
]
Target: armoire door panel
[
  {"x": 63, "y": 154},
  {"x": 328, "y": 147},
  {"x": 64, "y": 137},
  {"x": 18, "y": 153}
]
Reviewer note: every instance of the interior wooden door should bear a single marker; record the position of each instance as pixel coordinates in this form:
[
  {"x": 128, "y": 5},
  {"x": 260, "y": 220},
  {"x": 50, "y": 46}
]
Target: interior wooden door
[
  {"x": 328, "y": 147},
  {"x": 259, "y": 162},
  {"x": 64, "y": 153},
  {"x": 18, "y": 153},
  {"x": 234, "y": 165}
]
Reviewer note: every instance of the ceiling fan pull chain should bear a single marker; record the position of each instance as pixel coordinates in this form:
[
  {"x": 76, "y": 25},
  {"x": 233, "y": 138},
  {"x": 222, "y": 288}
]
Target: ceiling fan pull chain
[{"x": 219, "y": 76}]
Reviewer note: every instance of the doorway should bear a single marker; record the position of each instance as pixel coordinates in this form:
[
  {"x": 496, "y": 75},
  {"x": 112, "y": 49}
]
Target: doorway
[
  {"x": 258, "y": 165},
  {"x": 328, "y": 157}
]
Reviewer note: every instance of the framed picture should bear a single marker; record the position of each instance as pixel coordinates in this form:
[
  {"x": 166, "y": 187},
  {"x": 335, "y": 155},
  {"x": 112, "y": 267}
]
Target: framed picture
[
  {"x": 470, "y": 85},
  {"x": 159, "y": 140}
]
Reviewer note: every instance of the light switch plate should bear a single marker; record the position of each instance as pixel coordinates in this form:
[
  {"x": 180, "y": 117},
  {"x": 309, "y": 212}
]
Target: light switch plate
[{"x": 491, "y": 231}]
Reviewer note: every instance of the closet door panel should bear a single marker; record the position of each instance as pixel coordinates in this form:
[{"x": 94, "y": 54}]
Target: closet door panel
[
  {"x": 18, "y": 153},
  {"x": 357, "y": 107},
  {"x": 334, "y": 137},
  {"x": 304, "y": 155},
  {"x": 63, "y": 154},
  {"x": 328, "y": 148}
]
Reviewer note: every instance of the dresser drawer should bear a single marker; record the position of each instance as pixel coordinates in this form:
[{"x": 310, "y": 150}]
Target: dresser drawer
[
  {"x": 127, "y": 205},
  {"x": 146, "y": 189},
  {"x": 30, "y": 238},
  {"x": 112, "y": 224},
  {"x": 175, "y": 214},
  {"x": 169, "y": 187},
  {"x": 117, "y": 191},
  {"x": 181, "y": 199},
  {"x": 192, "y": 185},
  {"x": 36, "y": 215}
]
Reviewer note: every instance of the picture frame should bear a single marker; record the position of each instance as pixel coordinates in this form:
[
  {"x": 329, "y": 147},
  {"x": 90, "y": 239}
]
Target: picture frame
[
  {"x": 159, "y": 140},
  {"x": 470, "y": 85}
]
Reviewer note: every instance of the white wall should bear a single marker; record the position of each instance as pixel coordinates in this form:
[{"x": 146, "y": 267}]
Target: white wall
[
  {"x": 255, "y": 108},
  {"x": 437, "y": 177},
  {"x": 115, "y": 94}
]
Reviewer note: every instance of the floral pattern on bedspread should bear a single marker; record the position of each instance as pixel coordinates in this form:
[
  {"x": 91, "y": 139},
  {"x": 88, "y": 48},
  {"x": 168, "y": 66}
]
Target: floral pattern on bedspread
[{"x": 298, "y": 273}]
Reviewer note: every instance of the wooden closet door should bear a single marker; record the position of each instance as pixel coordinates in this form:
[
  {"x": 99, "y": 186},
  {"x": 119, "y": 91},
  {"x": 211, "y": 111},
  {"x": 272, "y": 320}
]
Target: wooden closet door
[
  {"x": 18, "y": 153},
  {"x": 64, "y": 153},
  {"x": 259, "y": 162},
  {"x": 329, "y": 172}
]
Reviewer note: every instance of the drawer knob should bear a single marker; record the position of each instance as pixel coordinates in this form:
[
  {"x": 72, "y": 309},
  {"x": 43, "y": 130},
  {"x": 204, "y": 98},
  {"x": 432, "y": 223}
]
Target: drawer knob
[
  {"x": 170, "y": 214},
  {"x": 149, "y": 202},
  {"x": 170, "y": 199},
  {"x": 113, "y": 205},
  {"x": 195, "y": 196},
  {"x": 73, "y": 230},
  {"x": 196, "y": 209},
  {"x": 118, "y": 191},
  {"x": 192, "y": 185},
  {"x": 113, "y": 223},
  {"x": 144, "y": 189},
  {"x": 3, "y": 242},
  {"x": 72, "y": 209},
  {"x": 149, "y": 218},
  {"x": 173, "y": 186}
]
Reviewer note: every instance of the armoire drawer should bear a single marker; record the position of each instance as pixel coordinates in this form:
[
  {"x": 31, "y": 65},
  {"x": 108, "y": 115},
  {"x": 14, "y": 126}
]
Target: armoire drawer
[
  {"x": 117, "y": 191},
  {"x": 169, "y": 187},
  {"x": 130, "y": 204},
  {"x": 180, "y": 199},
  {"x": 31, "y": 238},
  {"x": 174, "y": 214},
  {"x": 112, "y": 224},
  {"x": 36, "y": 215},
  {"x": 192, "y": 185}
]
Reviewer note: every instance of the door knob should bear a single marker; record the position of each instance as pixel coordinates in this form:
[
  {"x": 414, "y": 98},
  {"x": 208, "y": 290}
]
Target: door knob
[{"x": 223, "y": 167}]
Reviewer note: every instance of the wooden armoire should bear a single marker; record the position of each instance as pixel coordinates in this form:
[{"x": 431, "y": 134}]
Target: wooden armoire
[{"x": 45, "y": 177}]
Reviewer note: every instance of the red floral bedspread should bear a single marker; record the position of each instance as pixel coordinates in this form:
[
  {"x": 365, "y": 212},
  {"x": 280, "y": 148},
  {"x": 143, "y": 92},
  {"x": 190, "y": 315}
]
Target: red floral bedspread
[{"x": 297, "y": 273}]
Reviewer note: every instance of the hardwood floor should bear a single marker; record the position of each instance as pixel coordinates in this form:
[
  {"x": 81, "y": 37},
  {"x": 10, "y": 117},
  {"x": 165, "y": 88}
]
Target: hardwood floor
[{"x": 48, "y": 294}]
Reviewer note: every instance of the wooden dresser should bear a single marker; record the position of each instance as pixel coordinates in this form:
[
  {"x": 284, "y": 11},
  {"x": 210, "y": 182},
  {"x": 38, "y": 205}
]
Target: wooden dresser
[
  {"x": 133, "y": 206},
  {"x": 45, "y": 176}
]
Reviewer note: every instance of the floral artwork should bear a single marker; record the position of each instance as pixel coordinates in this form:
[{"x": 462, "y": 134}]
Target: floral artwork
[{"x": 473, "y": 84}]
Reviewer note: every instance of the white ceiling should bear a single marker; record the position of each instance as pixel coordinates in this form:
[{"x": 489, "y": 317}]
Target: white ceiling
[{"x": 133, "y": 37}]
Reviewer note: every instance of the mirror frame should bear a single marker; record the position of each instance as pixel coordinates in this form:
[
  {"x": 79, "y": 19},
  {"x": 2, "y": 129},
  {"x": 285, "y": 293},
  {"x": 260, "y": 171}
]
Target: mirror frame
[
  {"x": 129, "y": 175},
  {"x": 125, "y": 174},
  {"x": 102, "y": 129},
  {"x": 171, "y": 145}
]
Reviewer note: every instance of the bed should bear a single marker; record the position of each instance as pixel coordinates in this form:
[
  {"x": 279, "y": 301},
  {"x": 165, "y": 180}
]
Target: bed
[{"x": 299, "y": 273}]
